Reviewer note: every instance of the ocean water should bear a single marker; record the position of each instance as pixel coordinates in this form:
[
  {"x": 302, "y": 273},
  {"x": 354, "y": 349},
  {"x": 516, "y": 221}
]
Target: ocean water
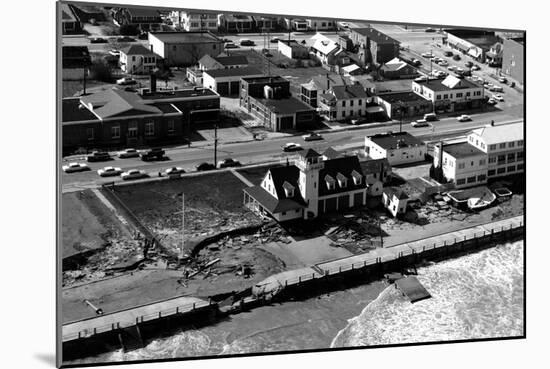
[{"x": 475, "y": 296}]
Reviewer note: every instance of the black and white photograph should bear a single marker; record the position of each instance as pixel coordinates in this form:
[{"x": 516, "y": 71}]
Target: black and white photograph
[{"x": 274, "y": 184}]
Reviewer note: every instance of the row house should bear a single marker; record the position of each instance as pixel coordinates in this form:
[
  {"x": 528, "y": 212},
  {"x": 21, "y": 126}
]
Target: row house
[
  {"x": 450, "y": 94},
  {"x": 116, "y": 118},
  {"x": 343, "y": 102},
  {"x": 315, "y": 184}
]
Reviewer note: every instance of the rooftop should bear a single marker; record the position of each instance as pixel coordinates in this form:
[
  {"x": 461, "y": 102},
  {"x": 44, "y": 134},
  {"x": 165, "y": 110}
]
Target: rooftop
[
  {"x": 237, "y": 17},
  {"x": 265, "y": 79},
  {"x": 324, "y": 82},
  {"x": 398, "y": 192},
  {"x": 288, "y": 105},
  {"x": 338, "y": 167},
  {"x": 324, "y": 44},
  {"x": 462, "y": 150},
  {"x": 232, "y": 60},
  {"x": 394, "y": 139},
  {"x": 500, "y": 133},
  {"x": 441, "y": 85},
  {"x": 395, "y": 97},
  {"x": 234, "y": 72},
  {"x": 71, "y": 111},
  {"x": 143, "y": 12},
  {"x": 137, "y": 49},
  {"x": 375, "y": 35},
  {"x": 184, "y": 37},
  {"x": 349, "y": 92},
  {"x": 173, "y": 94},
  {"x": 67, "y": 14}
]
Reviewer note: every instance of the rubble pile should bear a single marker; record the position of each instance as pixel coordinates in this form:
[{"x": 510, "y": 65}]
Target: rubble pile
[{"x": 356, "y": 236}]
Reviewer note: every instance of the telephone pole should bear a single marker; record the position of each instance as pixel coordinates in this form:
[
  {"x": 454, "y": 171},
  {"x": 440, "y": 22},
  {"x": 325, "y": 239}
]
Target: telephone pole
[
  {"x": 182, "y": 223},
  {"x": 216, "y": 145}
]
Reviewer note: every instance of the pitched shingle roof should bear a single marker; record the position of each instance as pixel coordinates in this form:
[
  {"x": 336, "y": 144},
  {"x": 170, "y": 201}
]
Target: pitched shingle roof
[
  {"x": 500, "y": 133},
  {"x": 115, "y": 102},
  {"x": 349, "y": 92},
  {"x": 399, "y": 193},
  {"x": 137, "y": 49},
  {"x": 343, "y": 166}
]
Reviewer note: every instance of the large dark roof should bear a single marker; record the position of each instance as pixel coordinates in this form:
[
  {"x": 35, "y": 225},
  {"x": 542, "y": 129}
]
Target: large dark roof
[
  {"x": 395, "y": 97},
  {"x": 265, "y": 79},
  {"x": 288, "y": 105},
  {"x": 349, "y": 92},
  {"x": 344, "y": 166},
  {"x": 391, "y": 140},
  {"x": 437, "y": 85},
  {"x": 143, "y": 12},
  {"x": 137, "y": 49},
  {"x": 185, "y": 37},
  {"x": 372, "y": 166},
  {"x": 375, "y": 35},
  {"x": 270, "y": 203},
  {"x": 286, "y": 173},
  {"x": 232, "y": 60},
  {"x": 462, "y": 150},
  {"x": 233, "y": 72},
  {"x": 72, "y": 112}
]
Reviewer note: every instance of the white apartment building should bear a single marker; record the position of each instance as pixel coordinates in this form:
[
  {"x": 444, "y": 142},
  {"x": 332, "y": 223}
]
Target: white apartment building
[
  {"x": 343, "y": 102},
  {"x": 451, "y": 93},
  {"x": 462, "y": 164},
  {"x": 397, "y": 147},
  {"x": 504, "y": 147}
]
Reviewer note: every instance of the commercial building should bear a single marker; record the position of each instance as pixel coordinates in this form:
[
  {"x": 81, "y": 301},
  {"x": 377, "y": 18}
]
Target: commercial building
[
  {"x": 314, "y": 185},
  {"x": 269, "y": 99},
  {"x": 226, "y": 82},
  {"x": 318, "y": 85},
  {"x": 137, "y": 59},
  {"x": 236, "y": 23},
  {"x": 461, "y": 164},
  {"x": 116, "y": 118},
  {"x": 292, "y": 49},
  {"x": 513, "y": 54},
  {"x": 472, "y": 42},
  {"x": 184, "y": 48},
  {"x": 397, "y": 147},
  {"x": 295, "y": 24},
  {"x": 504, "y": 147},
  {"x": 375, "y": 47},
  {"x": 451, "y": 94},
  {"x": 343, "y": 102},
  {"x": 399, "y": 105}
]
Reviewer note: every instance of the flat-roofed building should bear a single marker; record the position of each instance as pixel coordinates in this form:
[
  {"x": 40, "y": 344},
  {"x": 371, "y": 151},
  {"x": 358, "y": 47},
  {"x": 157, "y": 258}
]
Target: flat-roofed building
[
  {"x": 184, "y": 48},
  {"x": 472, "y": 42},
  {"x": 504, "y": 147},
  {"x": 513, "y": 58},
  {"x": 451, "y": 93},
  {"x": 226, "y": 82},
  {"x": 461, "y": 163},
  {"x": 399, "y": 105},
  {"x": 397, "y": 147}
]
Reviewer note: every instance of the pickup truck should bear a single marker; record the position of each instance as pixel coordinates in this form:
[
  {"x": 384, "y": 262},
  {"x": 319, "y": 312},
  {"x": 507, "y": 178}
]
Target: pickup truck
[{"x": 152, "y": 154}]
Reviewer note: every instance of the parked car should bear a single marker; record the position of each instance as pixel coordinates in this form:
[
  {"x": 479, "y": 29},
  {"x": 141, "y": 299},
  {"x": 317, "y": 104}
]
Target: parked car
[
  {"x": 228, "y": 162},
  {"x": 420, "y": 123},
  {"x": 128, "y": 153},
  {"x": 421, "y": 79},
  {"x": 143, "y": 36},
  {"x": 429, "y": 29},
  {"x": 458, "y": 75},
  {"x": 456, "y": 57},
  {"x": 98, "y": 40},
  {"x": 475, "y": 67},
  {"x": 512, "y": 84},
  {"x": 231, "y": 45},
  {"x": 246, "y": 42},
  {"x": 496, "y": 88},
  {"x": 443, "y": 63},
  {"x": 109, "y": 171},
  {"x": 291, "y": 147},
  {"x": 152, "y": 154},
  {"x": 314, "y": 136},
  {"x": 503, "y": 80},
  {"x": 430, "y": 117},
  {"x": 427, "y": 55},
  {"x": 274, "y": 40},
  {"x": 125, "y": 39},
  {"x": 416, "y": 62},
  {"x": 464, "y": 118},
  {"x": 126, "y": 81},
  {"x": 448, "y": 53},
  {"x": 452, "y": 68},
  {"x": 498, "y": 97},
  {"x": 98, "y": 156},
  {"x": 204, "y": 166},
  {"x": 174, "y": 172},
  {"x": 468, "y": 64},
  {"x": 491, "y": 101},
  {"x": 75, "y": 167},
  {"x": 134, "y": 174}
]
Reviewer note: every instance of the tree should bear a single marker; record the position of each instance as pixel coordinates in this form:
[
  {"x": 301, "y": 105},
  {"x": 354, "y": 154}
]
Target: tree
[
  {"x": 129, "y": 30},
  {"x": 100, "y": 71}
]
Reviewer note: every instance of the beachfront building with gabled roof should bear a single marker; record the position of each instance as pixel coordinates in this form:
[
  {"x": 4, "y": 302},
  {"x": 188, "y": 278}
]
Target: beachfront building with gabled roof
[
  {"x": 313, "y": 185},
  {"x": 343, "y": 102}
]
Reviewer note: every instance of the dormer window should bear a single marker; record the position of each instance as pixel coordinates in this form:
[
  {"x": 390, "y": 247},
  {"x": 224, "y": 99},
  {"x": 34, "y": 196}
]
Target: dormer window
[
  {"x": 289, "y": 189},
  {"x": 357, "y": 177},
  {"x": 342, "y": 180},
  {"x": 331, "y": 183}
]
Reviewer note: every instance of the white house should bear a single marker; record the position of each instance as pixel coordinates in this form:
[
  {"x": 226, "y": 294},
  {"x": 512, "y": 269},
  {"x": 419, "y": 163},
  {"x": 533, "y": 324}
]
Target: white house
[
  {"x": 504, "y": 147},
  {"x": 451, "y": 93},
  {"x": 395, "y": 200},
  {"x": 343, "y": 102},
  {"x": 397, "y": 147},
  {"x": 326, "y": 50},
  {"x": 137, "y": 59},
  {"x": 462, "y": 164},
  {"x": 193, "y": 22},
  {"x": 315, "y": 184}
]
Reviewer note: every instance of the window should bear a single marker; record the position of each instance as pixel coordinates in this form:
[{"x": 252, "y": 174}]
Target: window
[
  {"x": 501, "y": 159},
  {"x": 343, "y": 104},
  {"x": 170, "y": 126},
  {"x": 492, "y": 147},
  {"x": 438, "y": 97},
  {"x": 501, "y": 170},
  {"x": 520, "y": 155},
  {"x": 343, "y": 114},
  {"x": 149, "y": 129},
  {"x": 471, "y": 179},
  {"x": 115, "y": 132},
  {"x": 483, "y": 146},
  {"x": 174, "y": 48},
  {"x": 511, "y": 168},
  {"x": 283, "y": 213},
  {"x": 520, "y": 143},
  {"x": 90, "y": 133},
  {"x": 511, "y": 158},
  {"x": 214, "y": 46},
  {"x": 511, "y": 144},
  {"x": 502, "y": 145},
  {"x": 472, "y": 164},
  {"x": 481, "y": 177},
  {"x": 467, "y": 94},
  {"x": 520, "y": 166},
  {"x": 491, "y": 172},
  {"x": 359, "y": 102},
  {"x": 482, "y": 162},
  {"x": 460, "y": 181},
  {"x": 459, "y": 94},
  {"x": 351, "y": 103},
  {"x": 461, "y": 165},
  {"x": 446, "y": 96},
  {"x": 133, "y": 58}
]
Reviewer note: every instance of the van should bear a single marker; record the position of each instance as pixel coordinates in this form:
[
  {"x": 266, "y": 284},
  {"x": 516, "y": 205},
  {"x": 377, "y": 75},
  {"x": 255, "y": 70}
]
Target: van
[{"x": 430, "y": 117}]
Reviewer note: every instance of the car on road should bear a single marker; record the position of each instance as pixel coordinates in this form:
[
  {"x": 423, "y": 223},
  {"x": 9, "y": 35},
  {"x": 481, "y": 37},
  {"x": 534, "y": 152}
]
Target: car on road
[
  {"x": 416, "y": 62},
  {"x": 288, "y": 147},
  {"x": 204, "y": 167},
  {"x": 427, "y": 55},
  {"x": 98, "y": 40},
  {"x": 246, "y": 42},
  {"x": 128, "y": 153},
  {"x": 109, "y": 172},
  {"x": 126, "y": 39},
  {"x": 274, "y": 40},
  {"x": 496, "y": 88},
  {"x": 456, "y": 57},
  {"x": 429, "y": 29},
  {"x": 228, "y": 163},
  {"x": 502, "y": 80},
  {"x": 444, "y": 63},
  {"x": 436, "y": 59},
  {"x": 475, "y": 67},
  {"x": 468, "y": 64},
  {"x": 458, "y": 75},
  {"x": 430, "y": 117},
  {"x": 448, "y": 53},
  {"x": 126, "y": 81},
  {"x": 451, "y": 68},
  {"x": 498, "y": 97},
  {"x": 152, "y": 154},
  {"x": 174, "y": 172},
  {"x": 231, "y": 45},
  {"x": 314, "y": 136},
  {"x": 420, "y": 123},
  {"x": 464, "y": 118},
  {"x": 134, "y": 174},
  {"x": 98, "y": 156},
  {"x": 491, "y": 101},
  {"x": 75, "y": 167},
  {"x": 344, "y": 25}
]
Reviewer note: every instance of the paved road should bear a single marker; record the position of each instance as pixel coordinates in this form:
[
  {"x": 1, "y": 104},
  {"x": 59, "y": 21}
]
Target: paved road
[{"x": 263, "y": 151}]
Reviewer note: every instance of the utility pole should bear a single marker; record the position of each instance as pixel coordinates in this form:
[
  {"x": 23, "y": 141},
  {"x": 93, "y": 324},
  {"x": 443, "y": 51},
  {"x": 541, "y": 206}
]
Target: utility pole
[
  {"x": 400, "y": 116},
  {"x": 216, "y": 145},
  {"x": 182, "y": 224},
  {"x": 84, "y": 82}
]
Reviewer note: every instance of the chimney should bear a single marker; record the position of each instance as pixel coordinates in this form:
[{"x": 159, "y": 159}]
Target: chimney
[
  {"x": 492, "y": 123},
  {"x": 440, "y": 145},
  {"x": 152, "y": 83}
]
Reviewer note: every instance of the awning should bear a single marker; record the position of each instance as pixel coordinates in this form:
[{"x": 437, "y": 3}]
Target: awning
[{"x": 375, "y": 109}]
